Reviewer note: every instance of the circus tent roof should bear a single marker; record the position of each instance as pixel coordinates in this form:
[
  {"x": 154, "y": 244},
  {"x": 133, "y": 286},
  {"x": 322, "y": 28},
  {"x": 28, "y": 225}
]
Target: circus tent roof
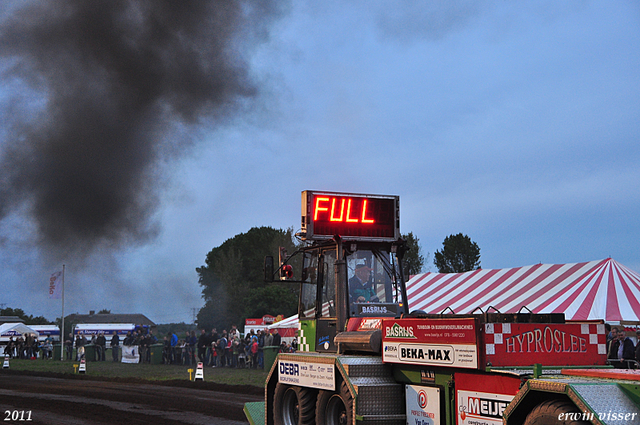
[
  {"x": 603, "y": 289},
  {"x": 289, "y": 322}
]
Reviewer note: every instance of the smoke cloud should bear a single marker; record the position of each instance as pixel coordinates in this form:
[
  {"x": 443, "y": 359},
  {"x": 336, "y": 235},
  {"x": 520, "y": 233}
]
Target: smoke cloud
[{"x": 98, "y": 94}]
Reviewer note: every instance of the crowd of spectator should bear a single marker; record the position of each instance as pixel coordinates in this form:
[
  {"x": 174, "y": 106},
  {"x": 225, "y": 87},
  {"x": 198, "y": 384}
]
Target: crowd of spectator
[
  {"x": 224, "y": 349},
  {"x": 29, "y": 347},
  {"x": 621, "y": 351},
  {"x": 230, "y": 349},
  {"x": 141, "y": 337}
]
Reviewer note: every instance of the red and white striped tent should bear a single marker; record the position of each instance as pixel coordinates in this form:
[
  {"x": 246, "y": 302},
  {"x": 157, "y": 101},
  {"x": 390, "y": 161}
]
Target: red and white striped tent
[
  {"x": 286, "y": 327},
  {"x": 603, "y": 289}
]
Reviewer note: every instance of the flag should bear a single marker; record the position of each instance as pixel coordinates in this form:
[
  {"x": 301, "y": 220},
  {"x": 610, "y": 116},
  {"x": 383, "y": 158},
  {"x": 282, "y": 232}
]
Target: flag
[{"x": 55, "y": 286}]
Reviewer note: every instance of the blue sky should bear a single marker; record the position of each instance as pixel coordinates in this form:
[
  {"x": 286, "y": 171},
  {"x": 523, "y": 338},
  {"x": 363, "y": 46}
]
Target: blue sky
[{"x": 515, "y": 123}]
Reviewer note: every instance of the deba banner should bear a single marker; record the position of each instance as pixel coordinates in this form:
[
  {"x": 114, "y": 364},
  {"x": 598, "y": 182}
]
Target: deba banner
[{"x": 306, "y": 374}]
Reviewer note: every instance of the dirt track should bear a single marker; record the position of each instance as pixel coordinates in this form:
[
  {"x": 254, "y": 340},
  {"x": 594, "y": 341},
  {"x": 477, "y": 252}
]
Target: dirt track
[{"x": 53, "y": 401}]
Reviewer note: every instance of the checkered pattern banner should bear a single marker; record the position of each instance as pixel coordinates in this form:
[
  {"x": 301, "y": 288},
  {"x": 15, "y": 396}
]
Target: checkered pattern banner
[{"x": 523, "y": 344}]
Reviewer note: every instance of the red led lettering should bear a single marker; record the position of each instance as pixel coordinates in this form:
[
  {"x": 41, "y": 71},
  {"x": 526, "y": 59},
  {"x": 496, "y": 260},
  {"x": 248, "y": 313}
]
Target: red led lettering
[
  {"x": 319, "y": 208},
  {"x": 349, "y": 219},
  {"x": 333, "y": 209},
  {"x": 336, "y": 212},
  {"x": 364, "y": 213}
]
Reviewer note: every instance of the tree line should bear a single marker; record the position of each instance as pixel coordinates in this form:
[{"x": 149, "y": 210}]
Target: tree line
[
  {"x": 233, "y": 285},
  {"x": 234, "y": 288},
  {"x": 28, "y": 319}
]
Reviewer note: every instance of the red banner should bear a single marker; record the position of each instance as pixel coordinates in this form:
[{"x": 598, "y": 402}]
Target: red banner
[
  {"x": 264, "y": 320},
  {"x": 524, "y": 344},
  {"x": 482, "y": 398}
]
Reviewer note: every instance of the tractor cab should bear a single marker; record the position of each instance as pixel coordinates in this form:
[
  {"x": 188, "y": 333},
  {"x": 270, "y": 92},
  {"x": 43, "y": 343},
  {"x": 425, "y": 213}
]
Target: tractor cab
[{"x": 351, "y": 273}]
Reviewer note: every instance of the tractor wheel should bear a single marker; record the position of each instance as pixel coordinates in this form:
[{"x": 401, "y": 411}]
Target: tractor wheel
[
  {"x": 335, "y": 408},
  {"x": 293, "y": 405},
  {"x": 550, "y": 412}
]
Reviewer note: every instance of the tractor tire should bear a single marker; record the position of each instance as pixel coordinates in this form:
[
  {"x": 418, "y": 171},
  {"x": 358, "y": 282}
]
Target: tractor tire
[
  {"x": 335, "y": 408},
  {"x": 293, "y": 405},
  {"x": 548, "y": 413}
]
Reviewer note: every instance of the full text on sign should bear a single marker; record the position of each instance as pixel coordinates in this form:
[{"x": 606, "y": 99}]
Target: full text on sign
[{"x": 338, "y": 213}]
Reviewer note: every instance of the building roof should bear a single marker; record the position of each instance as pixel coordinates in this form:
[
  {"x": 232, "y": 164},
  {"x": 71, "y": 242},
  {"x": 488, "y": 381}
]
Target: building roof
[
  {"x": 137, "y": 319},
  {"x": 10, "y": 319}
]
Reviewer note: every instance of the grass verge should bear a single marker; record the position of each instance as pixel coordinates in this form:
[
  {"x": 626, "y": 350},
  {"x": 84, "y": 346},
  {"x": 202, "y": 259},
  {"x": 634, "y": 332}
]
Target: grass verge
[{"x": 140, "y": 372}]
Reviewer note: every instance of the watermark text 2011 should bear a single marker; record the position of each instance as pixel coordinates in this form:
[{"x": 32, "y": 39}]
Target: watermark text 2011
[
  {"x": 606, "y": 416},
  {"x": 17, "y": 415}
]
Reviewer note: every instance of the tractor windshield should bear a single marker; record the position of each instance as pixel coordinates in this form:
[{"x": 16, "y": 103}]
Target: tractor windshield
[{"x": 372, "y": 277}]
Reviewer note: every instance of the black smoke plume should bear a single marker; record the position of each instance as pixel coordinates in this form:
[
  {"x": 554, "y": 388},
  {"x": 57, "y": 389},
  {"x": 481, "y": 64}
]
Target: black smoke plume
[{"x": 98, "y": 94}]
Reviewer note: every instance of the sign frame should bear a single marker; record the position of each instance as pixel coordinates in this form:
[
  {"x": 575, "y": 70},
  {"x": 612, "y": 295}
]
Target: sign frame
[
  {"x": 306, "y": 374},
  {"x": 432, "y": 342},
  {"x": 374, "y": 218}
]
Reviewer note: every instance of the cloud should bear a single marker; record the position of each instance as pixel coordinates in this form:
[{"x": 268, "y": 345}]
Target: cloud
[{"x": 112, "y": 89}]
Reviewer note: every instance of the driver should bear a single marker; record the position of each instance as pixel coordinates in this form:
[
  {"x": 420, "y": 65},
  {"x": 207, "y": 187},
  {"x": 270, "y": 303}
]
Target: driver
[{"x": 360, "y": 288}]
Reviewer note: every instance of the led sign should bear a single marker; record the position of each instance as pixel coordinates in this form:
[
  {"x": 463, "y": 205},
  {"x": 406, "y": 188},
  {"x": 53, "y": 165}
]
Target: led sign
[{"x": 352, "y": 216}]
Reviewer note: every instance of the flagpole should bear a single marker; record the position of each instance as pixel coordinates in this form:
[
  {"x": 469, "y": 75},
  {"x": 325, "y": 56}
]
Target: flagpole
[{"x": 62, "y": 335}]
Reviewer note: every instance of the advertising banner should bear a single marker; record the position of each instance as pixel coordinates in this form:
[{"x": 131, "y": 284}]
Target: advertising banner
[
  {"x": 479, "y": 408},
  {"x": 423, "y": 405},
  {"x": 437, "y": 342},
  {"x": 130, "y": 354},
  {"x": 481, "y": 399},
  {"x": 306, "y": 374},
  {"x": 523, "y": 344},
  {"x": 55, "y": 285}
]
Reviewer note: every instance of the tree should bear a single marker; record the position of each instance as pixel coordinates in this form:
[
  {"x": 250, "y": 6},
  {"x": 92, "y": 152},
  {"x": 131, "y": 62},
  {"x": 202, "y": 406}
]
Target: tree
[
  {"x": 104, "y": 311},
  {"x": 28, "y": 319},
  {"x": 413, "y": 261},
  {"x": 261, "y": 301},
  {"x": 459, "y": 254},
  {"x": 233, "y": 273}
]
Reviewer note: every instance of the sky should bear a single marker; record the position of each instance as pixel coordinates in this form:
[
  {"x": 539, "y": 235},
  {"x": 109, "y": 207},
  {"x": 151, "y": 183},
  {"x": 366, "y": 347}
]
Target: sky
[{"x": 130, "y": 148}]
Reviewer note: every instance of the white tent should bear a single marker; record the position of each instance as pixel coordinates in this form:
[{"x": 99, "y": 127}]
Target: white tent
[{"x": 14, "y": 330}]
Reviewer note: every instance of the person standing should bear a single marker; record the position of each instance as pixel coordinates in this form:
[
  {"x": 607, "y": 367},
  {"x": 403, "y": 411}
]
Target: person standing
[
  {"x": 221, "y": 348},
  {"x": 115, "y": 346},
  {"x": 254, "y": 352},
  {"x": 192, "y": 342},
  {"x": 261, "y": 341},
  {"x": 202, "y": 345},
  {"x": 101, "y": 345},
  {"x": 80, "y": 343},
  {"x": 268, "y": 338},
  {"x": 277, "y": 339},
  {"x": 638, "y": 346},
  {"x": 68, "y": 345},
  {"x": 623, "y": 349},
  {"x": 174, "y": 347}
]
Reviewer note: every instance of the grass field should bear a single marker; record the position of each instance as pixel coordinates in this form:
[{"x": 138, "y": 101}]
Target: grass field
[{"x": 108, "y": 369}]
